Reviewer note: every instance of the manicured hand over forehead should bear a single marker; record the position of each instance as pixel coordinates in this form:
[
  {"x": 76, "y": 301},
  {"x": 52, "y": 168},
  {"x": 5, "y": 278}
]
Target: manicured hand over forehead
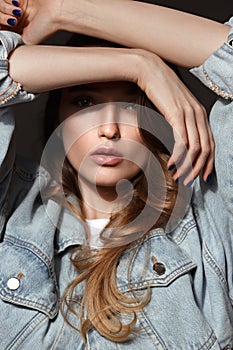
[{"x": 194, "y": 144}]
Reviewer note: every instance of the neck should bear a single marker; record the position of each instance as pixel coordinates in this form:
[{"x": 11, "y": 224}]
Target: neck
[{"x": 100, "y": 201}]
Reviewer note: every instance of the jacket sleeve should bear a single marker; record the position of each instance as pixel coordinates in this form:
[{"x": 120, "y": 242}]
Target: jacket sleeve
[
  {"x": 214, "y": 201},
  {"x": 217, "y": 74},
  {"x": 11, "y": 92}
]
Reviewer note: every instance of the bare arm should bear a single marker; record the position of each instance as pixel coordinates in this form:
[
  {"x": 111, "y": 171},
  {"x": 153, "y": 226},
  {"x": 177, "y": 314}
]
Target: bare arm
[
  {"x": 41, "y": 68},
  {"x": 184, "y": 39},
  {"x": 176, "y": 36},
  {"x": 38, "y": 68}
]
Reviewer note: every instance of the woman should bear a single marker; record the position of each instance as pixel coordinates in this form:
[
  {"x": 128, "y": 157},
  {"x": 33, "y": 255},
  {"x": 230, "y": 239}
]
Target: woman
[{"x": 188, "y": 265}]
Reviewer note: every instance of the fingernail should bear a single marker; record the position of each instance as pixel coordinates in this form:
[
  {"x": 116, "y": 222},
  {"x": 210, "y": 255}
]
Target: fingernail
[
  {"x": 177, "y": 180},
  {"x": 15, "y": 3},
  {"x": 17, "y": 13},
  {"x": 171, "y": 167},
  {"x": 208, "y": 178},
  {"x": 11, "y": 21}
]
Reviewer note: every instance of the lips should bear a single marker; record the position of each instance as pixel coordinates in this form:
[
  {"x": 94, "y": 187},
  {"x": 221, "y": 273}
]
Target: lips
[{"x": 106, "y": 156}]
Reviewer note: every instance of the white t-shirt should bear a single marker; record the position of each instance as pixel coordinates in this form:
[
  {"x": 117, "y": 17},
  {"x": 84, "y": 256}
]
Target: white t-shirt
[{"x": 95, "y": 227}]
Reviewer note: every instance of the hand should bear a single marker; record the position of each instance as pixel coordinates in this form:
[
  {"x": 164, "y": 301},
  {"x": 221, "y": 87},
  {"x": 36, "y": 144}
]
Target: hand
[
  {"x": 193, "y": 138},
  {"x": 36, "y": 22}
]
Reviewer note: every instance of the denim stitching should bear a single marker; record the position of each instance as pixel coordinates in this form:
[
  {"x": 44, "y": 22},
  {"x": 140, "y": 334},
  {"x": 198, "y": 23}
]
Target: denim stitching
[
  {"x": 49, "y": 311},
  {"x": 153, "y": 282},
  {"x": 151, "y": 328},
  {"x": 28, "y": 328},
  {"x": 214, "y": 266},
  {"x": 37, "y": 252}
]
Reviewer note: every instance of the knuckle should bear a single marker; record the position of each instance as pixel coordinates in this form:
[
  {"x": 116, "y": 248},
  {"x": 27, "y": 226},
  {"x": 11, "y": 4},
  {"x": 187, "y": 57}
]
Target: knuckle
[
  {"x": 200, "y": 109},
  {"x": 188, "y": 109},
  {"x": 205, "y": 152},
  {"x": 195, "y": 147},
  {"x": 4, "y": 8},
  {"x": 185, "y": 142},
  {"x": 181, "y": 139},
  {"x": 212, "y": 145},
  {"x": 182, "y": 142},
  {"x": 177, "y": 156}
]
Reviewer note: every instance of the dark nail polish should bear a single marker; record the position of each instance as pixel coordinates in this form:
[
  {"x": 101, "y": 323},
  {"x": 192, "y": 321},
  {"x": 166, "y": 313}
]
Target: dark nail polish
[
  {"x": 171, "y": 167},
  {"x": 208, "y": 178},
  {"x": 189, "y": 184},
  {"x": 17, "y": 13},
  {"x": 15, "y": 3},
  {"x": 11, "y": 21},
  {"x": 177, "y": 180}
]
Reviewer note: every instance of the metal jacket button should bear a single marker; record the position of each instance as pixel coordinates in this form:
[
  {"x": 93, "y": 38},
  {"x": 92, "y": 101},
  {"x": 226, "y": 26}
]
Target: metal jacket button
[
  {"x": 158, "y": 267},
  {"x": 13, "y": 283}
]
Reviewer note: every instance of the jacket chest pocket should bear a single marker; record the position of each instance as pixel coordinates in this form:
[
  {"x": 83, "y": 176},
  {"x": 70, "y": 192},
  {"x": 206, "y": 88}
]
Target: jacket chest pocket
[
  {"x": 171, "y": 319},
  {"x": 28, "y": 292}
]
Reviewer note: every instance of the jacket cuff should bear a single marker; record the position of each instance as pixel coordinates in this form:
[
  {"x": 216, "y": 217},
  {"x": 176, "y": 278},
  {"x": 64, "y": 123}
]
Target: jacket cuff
[
  {"x": 11, "y": 92},
  {"x": 217, "y": 71}
]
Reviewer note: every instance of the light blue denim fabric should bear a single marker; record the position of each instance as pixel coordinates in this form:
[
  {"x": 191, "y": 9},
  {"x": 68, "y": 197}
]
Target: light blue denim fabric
[{"x": 191, "y": 302}]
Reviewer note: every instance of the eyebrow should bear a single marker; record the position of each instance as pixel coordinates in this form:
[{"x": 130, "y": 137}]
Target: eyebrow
[{"x": 82, "y": 87}]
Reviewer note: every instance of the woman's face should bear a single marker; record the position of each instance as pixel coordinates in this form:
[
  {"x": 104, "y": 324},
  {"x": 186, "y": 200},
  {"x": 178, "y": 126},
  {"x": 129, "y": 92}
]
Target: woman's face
[{"x": 100, "y": 132}]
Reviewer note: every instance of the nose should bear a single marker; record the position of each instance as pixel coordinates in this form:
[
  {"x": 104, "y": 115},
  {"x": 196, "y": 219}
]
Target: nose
[{"x": 109, "y": 127}]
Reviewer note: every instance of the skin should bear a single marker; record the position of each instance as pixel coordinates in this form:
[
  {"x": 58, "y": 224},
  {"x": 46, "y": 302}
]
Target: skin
[
  {"x": 147, "y": 70},
  {"x": 117, "y": 21},
  {"x": 93, "y": 117}
]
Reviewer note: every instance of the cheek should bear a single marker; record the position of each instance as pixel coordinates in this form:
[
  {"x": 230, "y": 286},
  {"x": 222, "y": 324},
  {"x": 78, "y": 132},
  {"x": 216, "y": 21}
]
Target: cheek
[
  {"x": 77, "y": 151},
  {"x": 75, "y": 132},
  {"x": 136, "y": 146}
]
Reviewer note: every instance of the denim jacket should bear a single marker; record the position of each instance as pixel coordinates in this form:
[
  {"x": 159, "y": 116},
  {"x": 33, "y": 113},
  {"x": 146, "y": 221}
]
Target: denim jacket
[{"x": 191, "y": 305}]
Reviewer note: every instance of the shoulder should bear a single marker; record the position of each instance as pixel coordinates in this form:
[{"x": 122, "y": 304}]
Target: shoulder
[
  {"x": 27, "y": 182},
  {"x": 29, "y": 170}
]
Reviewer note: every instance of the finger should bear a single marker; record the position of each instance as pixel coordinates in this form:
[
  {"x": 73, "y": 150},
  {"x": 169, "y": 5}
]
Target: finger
[
  {"x": 7, "y": 21},
  {"x": 208, "y": 168},
  {"x": 15, "y": 3},
  {"x": 180, "y": 139},
  {"x": 194, "y": 145},
  {"x": 9, "y": 14},
  {"x": 202, "y": 152},
  {"x": 206, "y": 154},
  {"x": 187, "y": 166}
]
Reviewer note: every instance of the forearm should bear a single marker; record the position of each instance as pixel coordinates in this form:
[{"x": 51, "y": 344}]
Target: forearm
[
  {"x": 179, "y": 37},
  {"x": 42, "y": 68}
]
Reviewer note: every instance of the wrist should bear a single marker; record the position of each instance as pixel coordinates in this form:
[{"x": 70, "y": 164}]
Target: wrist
[
  {"x": 89, "y": 17},
  {"x": 76, "y": 16}
]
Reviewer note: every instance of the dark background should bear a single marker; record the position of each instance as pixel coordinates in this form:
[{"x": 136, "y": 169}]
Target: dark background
[{"x": 30, "y": 116}]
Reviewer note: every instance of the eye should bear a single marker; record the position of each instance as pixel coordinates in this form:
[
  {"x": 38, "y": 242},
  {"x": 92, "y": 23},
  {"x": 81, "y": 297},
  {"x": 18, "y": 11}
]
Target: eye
[
  {"x": 130, "y": 106},
  {"x": 83, "y": 102}
]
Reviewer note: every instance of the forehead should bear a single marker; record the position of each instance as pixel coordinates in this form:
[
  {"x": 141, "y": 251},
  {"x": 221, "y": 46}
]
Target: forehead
[{"x": 106, "y": 88}]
